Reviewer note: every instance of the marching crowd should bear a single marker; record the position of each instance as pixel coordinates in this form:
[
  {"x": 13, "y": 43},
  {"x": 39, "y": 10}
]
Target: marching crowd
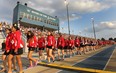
[{"x": 65, "y": 45}]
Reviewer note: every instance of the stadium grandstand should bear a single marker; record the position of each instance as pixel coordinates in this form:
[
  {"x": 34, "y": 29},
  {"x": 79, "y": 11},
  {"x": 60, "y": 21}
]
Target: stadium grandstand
[{"x": 29, "y": 17}]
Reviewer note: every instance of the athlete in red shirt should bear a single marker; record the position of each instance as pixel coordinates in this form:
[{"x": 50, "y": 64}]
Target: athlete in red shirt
[
  {"x": 55, "y": 46},
  {"x": 77, "y": 44},
  {"x": 16, "y": 48},
  {"x": 41, "y": 45},
  {"x": 32, "y": 45},
  {"x": 71, "y": 46},
  {"x": 7, "y": 49},
  {"x": 60, "y": 45},
  {"x": 50, "y": 46},
  {"x": 66, "y": 46}
]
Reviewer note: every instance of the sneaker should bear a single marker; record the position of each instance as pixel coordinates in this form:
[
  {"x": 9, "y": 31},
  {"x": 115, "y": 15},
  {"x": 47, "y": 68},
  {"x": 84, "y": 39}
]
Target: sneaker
[
  {"x": 53, "y": 61},
  {"x": 70, "y": 56},
  {"x": 35, "y": 64},
  {"x": 48, "y": 63},
  {"x": 15, "y": 70},
  {"x": 62, "y": 59},
  {"x": 39, "y": 61},
  {"x": 59, "y": 59},
  {"x": 67, "y": 56},
  {"x": 30, "y": 66}
]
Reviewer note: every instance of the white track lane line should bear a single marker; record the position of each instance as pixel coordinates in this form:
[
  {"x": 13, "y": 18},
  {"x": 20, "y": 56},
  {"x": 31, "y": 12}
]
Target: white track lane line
[
  {"x": 84, "y": 59},
  {"x": 109, "y": 59}
]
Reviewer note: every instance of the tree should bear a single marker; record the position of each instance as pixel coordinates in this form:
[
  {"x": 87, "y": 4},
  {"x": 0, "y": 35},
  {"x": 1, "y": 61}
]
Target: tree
[
  {"x": 115, "y": 39},
  {"x": 111, "y": 38},
  {"x": 98, "y": 39},
  {"x": 103, "y": 39}
]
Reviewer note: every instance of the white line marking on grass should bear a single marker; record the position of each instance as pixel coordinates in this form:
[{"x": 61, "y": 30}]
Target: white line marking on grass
[
  {"x": 84, "y": 59},
  {"x": 109, "y": 59}
]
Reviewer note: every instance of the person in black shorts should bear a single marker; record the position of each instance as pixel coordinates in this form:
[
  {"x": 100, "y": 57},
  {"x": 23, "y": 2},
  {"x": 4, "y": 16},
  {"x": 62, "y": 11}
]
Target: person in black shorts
[
  {"x": 3, "y": 45},
  {"x": 41, "y": 45},
  {"x": 77, "y": 45},
  {"x": 16, "y": 49},
  {"x": 32, "y": 45},
  {"x": 71, "y": 46},
  {"x": 6, "y": 49},
  {"x": 66, "y": 46},
  {"x": 82, "y": 45},
  {"x": 60, "y": 45},
  {"x": 50, "y": 46}
]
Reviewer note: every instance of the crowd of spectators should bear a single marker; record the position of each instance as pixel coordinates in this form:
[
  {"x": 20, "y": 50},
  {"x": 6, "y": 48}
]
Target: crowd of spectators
[{"x": 37, "y": 31}]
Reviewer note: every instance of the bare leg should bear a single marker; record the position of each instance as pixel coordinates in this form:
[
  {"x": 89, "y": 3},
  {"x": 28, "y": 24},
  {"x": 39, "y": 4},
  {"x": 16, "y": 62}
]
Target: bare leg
[
  {"x": 62, "y": 53},
  {"x": 18, "y": 57},
  {"x": 30, "y": 58},
  {"x": 40, "y": 54},
  {"x": 14, "y": 62},
  {"x": 10, "y": 57},
  {"x": 50, "y": 54},
  {"x": 59, "y": 54},
  {"x": 48, "y": 57},
  {"x": 4, "y": 63}
]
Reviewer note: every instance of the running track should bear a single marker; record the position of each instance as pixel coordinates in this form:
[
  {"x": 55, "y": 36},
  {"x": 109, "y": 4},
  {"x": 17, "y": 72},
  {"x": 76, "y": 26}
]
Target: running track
[{"x": 97, "y": 61}]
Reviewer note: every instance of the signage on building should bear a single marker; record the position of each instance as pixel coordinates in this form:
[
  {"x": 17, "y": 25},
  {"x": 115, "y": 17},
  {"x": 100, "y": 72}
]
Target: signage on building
[{"x": 40, "y": 14}]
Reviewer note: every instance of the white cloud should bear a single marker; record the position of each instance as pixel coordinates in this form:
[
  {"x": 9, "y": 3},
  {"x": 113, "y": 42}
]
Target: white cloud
[
  {"x": 88, "y": 6},
  {"x": 31, "y": 3},
  {"x": 103, "y": 26},
  {"x": 107, "y": 34},
  {"x": 57, "y": 7},
  {"x": 104, "y": 29},
  {"x": 109, "y": 25},
  {"x": 110, "y": 2},
  {"x": 71, "y": 18}
]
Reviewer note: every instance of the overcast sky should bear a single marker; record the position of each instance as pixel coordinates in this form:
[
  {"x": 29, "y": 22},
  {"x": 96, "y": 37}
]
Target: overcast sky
[{"x": 80, "y": 12}]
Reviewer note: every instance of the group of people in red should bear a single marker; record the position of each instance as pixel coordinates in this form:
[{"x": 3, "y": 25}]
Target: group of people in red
[
  {"x": 57, "y": 45},
  {"x": 53, "y": 45},
  {"x": 14, "y": 49}
]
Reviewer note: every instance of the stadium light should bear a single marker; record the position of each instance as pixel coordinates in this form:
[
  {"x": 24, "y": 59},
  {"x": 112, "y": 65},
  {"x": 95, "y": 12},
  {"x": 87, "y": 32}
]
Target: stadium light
[
  {"x": 25, "y": 4},
  {"x": 18, "y": 2},
  {"x": 67, "y": 4},
  {"x": 93, "y": 28}
]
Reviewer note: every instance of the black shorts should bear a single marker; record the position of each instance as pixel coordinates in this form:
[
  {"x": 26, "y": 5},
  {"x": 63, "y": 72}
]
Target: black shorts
[
  {"x": 69, "y": 47},
  {"x": 31, "y": 49},
  {"x": 40, "y": 48},
  {"x": 65, "y": 47},
  {"x": 93, "y": 44},
  {"x": 49, "y": 47},
  {"x": 5, "y": 53},
  {"x": 77, "y": 46},
  {"x": 85, "y": 45},
  {"x": 81, "y": 45},
  {"x": 19, "y": 52},
  {"x": 89, "y": 44},
  {"x": 60, "y": 47}
]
